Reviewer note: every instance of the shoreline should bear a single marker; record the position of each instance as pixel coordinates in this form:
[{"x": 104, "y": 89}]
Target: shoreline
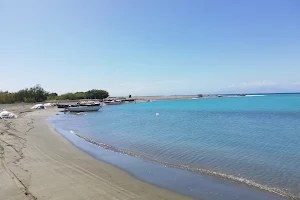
[
  {"x": 232, "y": 180},
  {"x": 39, "y": 163},
  {"x": 62, "y": 151},
  {"x": 273, "y": 191},
  {"x": 245, "y": 186}
]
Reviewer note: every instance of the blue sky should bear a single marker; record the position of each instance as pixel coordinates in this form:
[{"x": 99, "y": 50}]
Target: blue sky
[{"x": 149, "y": 47}]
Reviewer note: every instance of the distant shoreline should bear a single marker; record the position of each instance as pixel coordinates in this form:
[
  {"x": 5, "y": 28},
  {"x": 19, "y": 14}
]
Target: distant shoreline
[{"x": 163, "y": 97}]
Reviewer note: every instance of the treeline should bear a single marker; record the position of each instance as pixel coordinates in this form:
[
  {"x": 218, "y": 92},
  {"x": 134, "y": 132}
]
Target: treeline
[
  {"x": 38, "y": 94},
  {"x": 33, "y": 94},
  {"x": 91, "y": 94}
]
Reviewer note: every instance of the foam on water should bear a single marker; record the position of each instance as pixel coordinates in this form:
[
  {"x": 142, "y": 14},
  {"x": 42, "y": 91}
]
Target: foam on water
[{"x": 255, "y": 95}]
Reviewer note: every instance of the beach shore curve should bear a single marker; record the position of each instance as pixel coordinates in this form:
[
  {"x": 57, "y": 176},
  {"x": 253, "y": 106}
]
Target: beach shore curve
[{"x": 39, "y": 163}]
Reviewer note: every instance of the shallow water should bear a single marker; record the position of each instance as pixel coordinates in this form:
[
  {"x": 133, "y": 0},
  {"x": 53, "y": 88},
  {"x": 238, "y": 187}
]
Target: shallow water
[{"x": 250, "y": 140}]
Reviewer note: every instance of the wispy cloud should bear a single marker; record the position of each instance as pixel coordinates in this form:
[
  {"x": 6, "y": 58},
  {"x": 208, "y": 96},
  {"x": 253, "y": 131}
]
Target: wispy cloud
[
  {"x": 253, "y": 84},
  {"x": 296, "y": 83}
]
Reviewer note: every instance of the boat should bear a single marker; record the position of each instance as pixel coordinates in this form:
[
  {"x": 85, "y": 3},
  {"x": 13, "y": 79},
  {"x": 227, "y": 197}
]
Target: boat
[
  {"x": 62, "y": 105},
  {"x": 113, "y": 102},
  {"x": 86, "y": 104},
  {"x": 86, "y": 108},
  {"x": 89, "y": 103}
]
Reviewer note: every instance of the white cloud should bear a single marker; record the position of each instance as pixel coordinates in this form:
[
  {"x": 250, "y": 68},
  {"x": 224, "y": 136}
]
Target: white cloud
[
  {"x": 253, "y": 84},
  {"x": 296, "y": 83}
]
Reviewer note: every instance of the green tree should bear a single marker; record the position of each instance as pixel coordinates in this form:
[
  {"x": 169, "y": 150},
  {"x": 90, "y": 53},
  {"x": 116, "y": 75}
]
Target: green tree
[
  {"x": 38, "y": 93},
  {"x": 80, "y": 95},
  {"x": 67, "y": 96},
  {"x": 53, "y": 94},
  {"x": 6, "y": 97},
  {"x": 97, "y": 94},
  {"x": 33, "y": 94},
  {"x": 21, "y": 95}
]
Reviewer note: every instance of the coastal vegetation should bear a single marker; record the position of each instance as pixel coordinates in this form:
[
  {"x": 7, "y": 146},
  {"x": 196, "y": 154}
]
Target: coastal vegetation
[
  {"x": 91, "y": 94},
  {"x": 38, "y": 94}
]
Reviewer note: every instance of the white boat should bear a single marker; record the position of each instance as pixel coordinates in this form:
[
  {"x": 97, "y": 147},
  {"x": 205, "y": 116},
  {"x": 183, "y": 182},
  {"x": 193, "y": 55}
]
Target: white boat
[
  {"x": 84, "y": 108},
  {"x": 113, "y": 102},
  {"x": 89, "y": 103}
]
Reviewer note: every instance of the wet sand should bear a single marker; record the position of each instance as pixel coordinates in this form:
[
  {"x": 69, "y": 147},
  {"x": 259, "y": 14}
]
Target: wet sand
[{"x": 39, "y": 163}]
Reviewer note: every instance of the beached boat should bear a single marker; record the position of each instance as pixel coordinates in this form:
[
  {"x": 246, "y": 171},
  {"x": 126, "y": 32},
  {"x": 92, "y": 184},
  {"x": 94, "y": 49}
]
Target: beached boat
[
  {"x": 86, "y": 104},
  {"x": 62, "y": 105},
  {"x": 85, "y": 108},
  {"x": 113, "y": 102},
  {"x": 89, "y": 103}
]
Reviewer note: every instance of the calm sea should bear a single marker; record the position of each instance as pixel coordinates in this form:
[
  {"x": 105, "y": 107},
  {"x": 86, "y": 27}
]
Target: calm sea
[{"x": 218, "y": 148}]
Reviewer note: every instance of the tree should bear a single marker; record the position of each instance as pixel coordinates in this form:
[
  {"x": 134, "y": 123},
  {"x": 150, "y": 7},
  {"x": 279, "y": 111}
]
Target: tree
[
  {"x": 38, "y": 93},
  {"x": 21, "y": 95},
  {"x": 96, "y": 94},
  {"x": 6, "y": 97},
  {"x": 53, "y": 94},
  {"x": 67, "y": 96},
  {"x": 80, "y": 95},
  {"x": 33, "y": 94}
]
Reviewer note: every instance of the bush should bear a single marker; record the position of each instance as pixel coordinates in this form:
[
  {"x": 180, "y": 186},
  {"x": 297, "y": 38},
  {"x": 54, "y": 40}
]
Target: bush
[
  {"x": 38, "y": 94},
  {"x": 34, "y": 94},
  {"x": 80, "y": 95},
  {"x": 6, "y": 97},
  {"x": 97, "y": 94}
]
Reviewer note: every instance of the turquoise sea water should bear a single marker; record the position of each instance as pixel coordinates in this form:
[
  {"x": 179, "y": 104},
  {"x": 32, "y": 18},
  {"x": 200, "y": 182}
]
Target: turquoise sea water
[{"x": 219, "y": 148}]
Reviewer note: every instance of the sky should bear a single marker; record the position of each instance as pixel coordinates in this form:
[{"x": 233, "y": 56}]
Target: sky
[{"x": 151, "y": 47}]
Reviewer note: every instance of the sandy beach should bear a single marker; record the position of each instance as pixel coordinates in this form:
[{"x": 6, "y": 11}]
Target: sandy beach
[{"x": 38, "y": 163}]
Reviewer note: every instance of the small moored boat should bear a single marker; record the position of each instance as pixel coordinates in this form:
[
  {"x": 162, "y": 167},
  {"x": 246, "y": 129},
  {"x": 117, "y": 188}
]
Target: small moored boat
[
  {"x": 113, "y": 102},
  {"x": 62, "y": 105},
  {"x": 84, "y": 108},
  {"x": 89, "y": 103}
]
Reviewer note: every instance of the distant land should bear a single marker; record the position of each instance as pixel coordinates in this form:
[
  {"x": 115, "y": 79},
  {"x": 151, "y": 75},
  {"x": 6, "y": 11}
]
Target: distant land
[
  {"x": 275, "y": 89},
  {"x": 259, "y": 93}
]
